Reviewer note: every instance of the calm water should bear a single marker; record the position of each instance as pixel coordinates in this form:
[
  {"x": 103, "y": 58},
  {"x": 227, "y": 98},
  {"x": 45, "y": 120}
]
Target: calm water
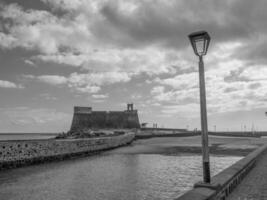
[{"x": 109, "y": 176}]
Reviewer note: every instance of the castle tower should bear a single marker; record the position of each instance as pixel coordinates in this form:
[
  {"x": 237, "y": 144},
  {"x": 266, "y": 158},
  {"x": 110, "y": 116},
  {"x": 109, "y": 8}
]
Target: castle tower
[{"x": 130, "y": 107}]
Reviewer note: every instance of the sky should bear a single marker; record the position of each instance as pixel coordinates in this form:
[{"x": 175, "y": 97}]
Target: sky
[{"x": 57, "y": 54}]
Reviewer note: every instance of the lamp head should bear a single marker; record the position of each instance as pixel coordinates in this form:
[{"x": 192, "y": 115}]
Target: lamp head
[{"x": 200, "y": 42}]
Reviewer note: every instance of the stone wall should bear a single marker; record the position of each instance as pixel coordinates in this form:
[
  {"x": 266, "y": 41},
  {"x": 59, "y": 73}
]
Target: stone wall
[
  {"x": 18, "y": 152},
  {"x": 236, "y": 134},
  {"x": 84, "y": 118},
  {"x": 226, "y": 181},
  {"x": 163, "y": 132}
]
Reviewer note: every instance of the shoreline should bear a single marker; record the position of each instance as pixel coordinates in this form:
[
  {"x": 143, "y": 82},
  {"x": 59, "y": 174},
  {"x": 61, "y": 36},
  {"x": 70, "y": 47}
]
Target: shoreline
[
  {"x": 176, "y": 150},
  {"x": 174, "y": 145}
]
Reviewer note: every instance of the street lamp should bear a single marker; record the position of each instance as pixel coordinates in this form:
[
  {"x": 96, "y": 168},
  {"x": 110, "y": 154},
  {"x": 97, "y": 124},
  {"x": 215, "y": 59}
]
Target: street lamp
[{"x": 200, "y": 42}]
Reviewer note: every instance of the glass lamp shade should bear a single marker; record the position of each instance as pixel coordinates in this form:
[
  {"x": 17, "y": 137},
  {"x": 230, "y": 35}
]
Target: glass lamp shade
[{"x": 200, "y": 42}]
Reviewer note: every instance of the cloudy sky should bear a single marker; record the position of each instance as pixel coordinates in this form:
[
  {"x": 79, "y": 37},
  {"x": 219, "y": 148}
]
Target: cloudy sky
[{"x": 56, "y": 54}]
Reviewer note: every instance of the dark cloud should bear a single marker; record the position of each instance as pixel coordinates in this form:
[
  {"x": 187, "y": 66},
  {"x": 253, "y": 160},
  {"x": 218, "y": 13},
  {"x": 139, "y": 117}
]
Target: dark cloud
[
  {"x": 145, "y": 26},
  {"x": 31, "y": 4},
  {"x": 254, "y": 52},
  {"x": 168, "y": 24}
]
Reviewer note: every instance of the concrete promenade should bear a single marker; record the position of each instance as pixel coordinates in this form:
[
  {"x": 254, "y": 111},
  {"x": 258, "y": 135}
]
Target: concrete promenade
[{"x": 254, "y": 185}]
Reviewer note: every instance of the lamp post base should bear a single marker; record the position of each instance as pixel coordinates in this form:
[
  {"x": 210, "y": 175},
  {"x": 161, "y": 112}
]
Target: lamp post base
[
  {"x": 206, "y": 172},
  {"x": 207, "y": 185}
]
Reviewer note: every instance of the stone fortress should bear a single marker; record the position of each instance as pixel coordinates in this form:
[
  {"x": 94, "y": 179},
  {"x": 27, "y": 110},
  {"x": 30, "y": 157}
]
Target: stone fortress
[{"x": 86, "y": 118}]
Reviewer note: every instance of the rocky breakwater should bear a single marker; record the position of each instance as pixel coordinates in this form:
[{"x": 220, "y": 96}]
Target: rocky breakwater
[{"x": 14, "y": 153}]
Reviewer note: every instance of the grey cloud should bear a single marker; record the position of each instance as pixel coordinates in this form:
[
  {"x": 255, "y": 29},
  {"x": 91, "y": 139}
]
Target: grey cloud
[
  {"x": 163, "y": 24},
  {"x": 186, "y": 70},
  {"x": 243, "y": 103},
  {"x": 146, "y": 26},
  {"x": 166, "y": 23},
  {"x": 254, "y": 85},
  {"x": 235, "y": 76},
  {"x": 251, "y": 96},
  {"x": 159, "y": 24},
  {"x": 255, "y": 51},
  {"x": 229, "y": 89},
  {"x": 188, "y": 100}
]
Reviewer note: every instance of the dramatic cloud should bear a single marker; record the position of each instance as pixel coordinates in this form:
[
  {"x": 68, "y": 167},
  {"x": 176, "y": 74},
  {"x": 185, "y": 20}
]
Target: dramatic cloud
[
  {"x": 88, "y": 26},
  {"x": 132, "y": 36},
  {"x": 88, "y": 46}
]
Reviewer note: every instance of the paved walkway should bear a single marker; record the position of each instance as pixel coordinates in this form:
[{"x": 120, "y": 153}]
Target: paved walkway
[{"x": 254, "y": 185}]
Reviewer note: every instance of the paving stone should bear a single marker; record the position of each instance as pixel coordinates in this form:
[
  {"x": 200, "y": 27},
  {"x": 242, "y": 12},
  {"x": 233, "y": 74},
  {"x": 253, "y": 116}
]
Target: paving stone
[{"x": 254, "y": 185}]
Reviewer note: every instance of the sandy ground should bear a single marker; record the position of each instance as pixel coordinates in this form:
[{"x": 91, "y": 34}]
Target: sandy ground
[{"x": 218, "y": 145}]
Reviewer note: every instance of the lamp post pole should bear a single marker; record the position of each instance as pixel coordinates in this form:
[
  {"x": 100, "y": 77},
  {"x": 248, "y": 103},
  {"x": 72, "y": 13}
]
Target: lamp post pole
[
  {"x": 200, "y": 42},
  {"x": 204, "y": 123}
]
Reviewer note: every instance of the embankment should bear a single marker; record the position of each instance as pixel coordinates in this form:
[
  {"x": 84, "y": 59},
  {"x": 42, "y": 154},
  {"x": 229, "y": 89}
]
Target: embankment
[
  {"x": 238, "y": 134},
  {"x": 225, "y": 182},
  {"x": 168, "y": 132},
  {"x": 144, "y": 133},
  {"x": 14, "y": 153}
]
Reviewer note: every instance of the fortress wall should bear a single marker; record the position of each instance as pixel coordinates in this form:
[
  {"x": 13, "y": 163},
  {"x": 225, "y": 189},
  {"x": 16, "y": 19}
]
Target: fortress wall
[
  {"x": 80, "y": 121},
  {"x": 102, "y": 119},
  {"x": 82, "y": 110},
  {"x": 19, "y": 152},
  {"x": 132, "y": 119},
  {"x": 98, "y": 120},
  {"x": 116, "y": 120}
]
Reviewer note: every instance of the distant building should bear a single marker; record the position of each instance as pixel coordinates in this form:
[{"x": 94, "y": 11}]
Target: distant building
[
  {"x": 85, "y": 117},
  {"x": 144, "y": 125}
]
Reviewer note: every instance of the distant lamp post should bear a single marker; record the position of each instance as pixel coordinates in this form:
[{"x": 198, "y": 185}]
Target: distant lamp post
[{"x": 200, "y": 42}]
